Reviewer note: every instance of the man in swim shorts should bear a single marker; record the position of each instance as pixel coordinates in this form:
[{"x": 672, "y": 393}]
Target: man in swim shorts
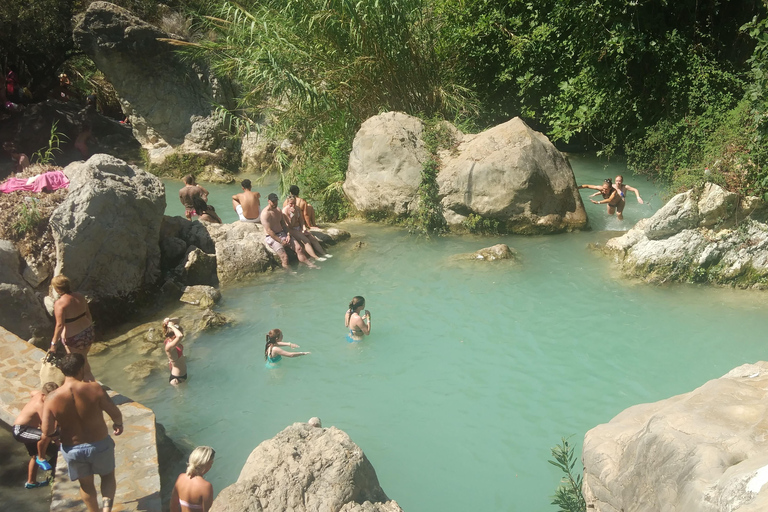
[
  {"x": 78, "y": 408},
  {"x": 277, "y": 235},
  {"x": 246, "y": 203},
  {"x": 26, "y": 429},
  {"x": 188, "y": 193}
]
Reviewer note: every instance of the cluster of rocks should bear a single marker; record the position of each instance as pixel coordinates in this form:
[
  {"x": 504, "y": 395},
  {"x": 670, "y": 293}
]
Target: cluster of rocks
[
  {"x": 509, "y": 174},
  {"x": 303, "y": 468},
  {"x": 703, "y": 235}
]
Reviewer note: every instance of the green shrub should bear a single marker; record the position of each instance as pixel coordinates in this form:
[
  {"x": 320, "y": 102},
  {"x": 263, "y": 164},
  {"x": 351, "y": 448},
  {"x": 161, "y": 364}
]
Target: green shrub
[
  {"x": 27, "y": 217},
  {"x": 568, "y": 496},
  {"x": 480, "y": 225}
]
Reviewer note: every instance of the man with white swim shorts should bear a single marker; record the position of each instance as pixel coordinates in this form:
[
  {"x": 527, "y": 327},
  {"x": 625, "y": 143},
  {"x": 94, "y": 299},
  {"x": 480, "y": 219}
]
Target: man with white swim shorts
[
  {"x": 278, "y": 236},
  {"x": 246, "y": 203},
  {"x": 78, "y": 407}
]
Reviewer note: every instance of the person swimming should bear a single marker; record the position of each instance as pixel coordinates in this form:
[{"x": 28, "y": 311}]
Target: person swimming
[
  {"x": 359, "y": 326},
  {"x": 611, "y": 197},
  {"x": 272, "y": 351}
]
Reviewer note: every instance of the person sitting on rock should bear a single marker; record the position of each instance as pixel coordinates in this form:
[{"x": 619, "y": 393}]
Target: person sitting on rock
[
  {"x": 26, "y": 429},
  {"x": 247, "y": 204},
  {"x": 611, "y": 197},
  {"x": 299, "y": 230},
  {"x": 187, "y": 195},
  {"x": 272, "y": 351},
  {"x": 177, "y": 363},
  {"x": 278, "y": 235},
  {"x": 192, "y": 491},
  {"x": 306, "y": 209},
  {"x": 359, "y": 325},
  {"x": 205, "y": 212}
]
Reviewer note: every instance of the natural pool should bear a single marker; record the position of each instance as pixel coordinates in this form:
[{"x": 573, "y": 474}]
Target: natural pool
[{"x": 473, "y": 371}]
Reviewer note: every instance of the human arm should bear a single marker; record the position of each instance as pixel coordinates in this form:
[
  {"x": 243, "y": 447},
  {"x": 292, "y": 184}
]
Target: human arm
[
  {"x": 595, "y": 194},
  {"x": 58, "y": 313},
  {"x": 177, "y": 336},
  {"x": 365, "y": 327},
  {"x": 235, "y": 201},
  {"x": 108, "y": 406},
  {"x": 637, "y": 193},
  {"x": 203, "y": 193},
  {"x": 608, "y": 200},
  {"x": 285, "y": 353},
  {"x": 175, "y": 505},
  {"x": 593, "y": 187},
  {"x": 286, "y": 344}
]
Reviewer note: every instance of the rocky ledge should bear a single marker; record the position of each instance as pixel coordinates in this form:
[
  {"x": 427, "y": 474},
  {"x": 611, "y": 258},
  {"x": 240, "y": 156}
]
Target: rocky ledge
[
  {"x": 306, "y": 468},
  {"x": 704, "y": 451},
  {"x": 705, "y": 235}
]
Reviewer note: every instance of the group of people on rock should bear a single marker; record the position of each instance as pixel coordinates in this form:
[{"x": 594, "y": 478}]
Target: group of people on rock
[
  {"x": 286, "y": 227},
  {"x": 614, "y": 195}
]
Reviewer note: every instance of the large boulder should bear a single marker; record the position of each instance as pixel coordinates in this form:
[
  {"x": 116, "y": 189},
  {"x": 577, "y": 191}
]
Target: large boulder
[
  {"x": 22, "y": 313},
  {"x": 306, "y": 468},
  {"x": 107, "y": 233},
  {"x": 240, "y": 250},
  {"x": 510, "y": 174},
  {"x": 385, "y": 164},
  {"x": 702, "y": 235},
  {"x": 169, "y": 101},
  {"x": 704, "y": 451},
  {"x": 514, "y": 175}
]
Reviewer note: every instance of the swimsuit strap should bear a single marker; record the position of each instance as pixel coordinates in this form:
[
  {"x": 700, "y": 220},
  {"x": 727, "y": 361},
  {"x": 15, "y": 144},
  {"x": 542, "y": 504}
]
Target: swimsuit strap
[{"x": 78, "y": 317}]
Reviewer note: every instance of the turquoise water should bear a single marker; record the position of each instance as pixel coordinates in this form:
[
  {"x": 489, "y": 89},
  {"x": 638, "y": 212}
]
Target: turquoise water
[{"x": 472, "y": 372}]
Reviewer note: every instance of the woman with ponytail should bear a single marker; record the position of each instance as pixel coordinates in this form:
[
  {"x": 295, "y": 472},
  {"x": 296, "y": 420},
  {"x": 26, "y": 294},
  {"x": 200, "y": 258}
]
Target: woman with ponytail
[
  {"x": 192, "y": 492},
  {"x": 359, "y": 325},
  {"x": 272, "y": 351}
]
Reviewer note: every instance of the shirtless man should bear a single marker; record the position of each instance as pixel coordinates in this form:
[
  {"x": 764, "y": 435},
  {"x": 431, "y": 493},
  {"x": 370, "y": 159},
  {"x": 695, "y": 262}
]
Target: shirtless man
[
  {"x": 611, "y": 197},
  {"x": 26, "y": 429},
  {"x": 78, "y": 407},
  {"x": 295, "y": 221},
  {"x": 246, "y": 203},
  {"x": 277, "y": 234},
  {"x": 187, "y": 195},
  {"x": 306, "y": 209}
]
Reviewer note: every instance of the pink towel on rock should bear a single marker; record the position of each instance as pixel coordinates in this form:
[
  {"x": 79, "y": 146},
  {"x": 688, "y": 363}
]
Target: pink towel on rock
[{"x": 48, "y": 182}]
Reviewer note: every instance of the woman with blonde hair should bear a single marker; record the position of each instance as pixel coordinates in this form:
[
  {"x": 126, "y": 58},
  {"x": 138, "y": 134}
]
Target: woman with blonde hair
[
  {"x": 192, "y": 491},
  {"x": 74, "y": 325}
]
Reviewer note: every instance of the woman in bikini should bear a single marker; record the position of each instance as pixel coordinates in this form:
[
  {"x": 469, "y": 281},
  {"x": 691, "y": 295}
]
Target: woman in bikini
[
  {"x": 611, "y": 197},
  {"x": 74, "y": 325},
  {"x": 359, "y": 325},
  {"x": 272, "y": 351},
  {"x": 177, "y": 363},
  {"x": 192, "y": 492}
]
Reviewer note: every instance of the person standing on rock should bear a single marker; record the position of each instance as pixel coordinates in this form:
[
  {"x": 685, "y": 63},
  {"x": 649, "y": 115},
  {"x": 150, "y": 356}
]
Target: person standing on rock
[
  {"x": 299, "y": 230},
  {"x": 74, "y": 325},
  {"x": 247, "y": 204},
  {"x": 26, "y": 429},
  {"x": 277, "y": 234},
  {"x": 188, "y": 193},
  {"x": 359, "y": 325},
  {"x": 192, "y": 492},
  {"x": 177, "y": 363},
  {"x": 611, "y": 197},
  {"x": 78, "y": 408}
]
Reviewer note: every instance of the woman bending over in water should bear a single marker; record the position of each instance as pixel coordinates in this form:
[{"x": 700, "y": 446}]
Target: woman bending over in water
[
  {"x": 192, "y": 491},
  {"x": 359, "y": 326},
  {"x": 272, "y": 351}
]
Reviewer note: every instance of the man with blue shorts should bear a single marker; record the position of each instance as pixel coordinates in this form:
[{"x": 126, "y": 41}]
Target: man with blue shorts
[{"x": 78, "y": 408}]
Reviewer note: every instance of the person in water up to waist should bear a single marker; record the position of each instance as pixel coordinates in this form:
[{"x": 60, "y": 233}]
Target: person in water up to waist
[
  {"x": 78, "y": 408},
  {"x": 611, "y": 197},
  {"x": 177, "y": 363},
  {"x": 272, "y": 351},
  {"x": 359, "y": 326}
]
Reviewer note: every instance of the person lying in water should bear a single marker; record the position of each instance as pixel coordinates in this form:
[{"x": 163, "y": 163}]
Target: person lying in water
[
  {"x": 611, "y": 197},
  {"x": 272, "y": 351},
  {"x": 359, "y": 325}
]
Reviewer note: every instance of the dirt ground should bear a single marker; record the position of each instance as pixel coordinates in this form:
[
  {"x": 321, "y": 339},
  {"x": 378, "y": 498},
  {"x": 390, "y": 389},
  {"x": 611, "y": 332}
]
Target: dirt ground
[{"x": 38, "y": 240}]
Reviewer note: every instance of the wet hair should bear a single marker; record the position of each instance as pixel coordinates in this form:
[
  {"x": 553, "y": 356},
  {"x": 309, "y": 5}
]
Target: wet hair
[
  {"x": 167, "y": 331},
  {"x": 355, "y": 303},
  {"x": 189, "y": 179},
  {"x": 273, "y": 337},
  {"x": 199, "y": 204},
  {"x": 293, "y": 190},
  {"x": 246, "y": 184},
  {"x": 61, "y": 284},
  {"x": 198, "y": 459},
  {"x": 71, "y": 364},
  {"x": 49, "y": 387}
]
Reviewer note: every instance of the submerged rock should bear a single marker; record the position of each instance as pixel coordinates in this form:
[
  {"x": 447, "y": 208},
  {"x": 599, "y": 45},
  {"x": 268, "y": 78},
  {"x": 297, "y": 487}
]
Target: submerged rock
[
  {"x": 703, "y": 235},
  {"x": 306, "y": 468},
  {"x": 203, "y": 296},
  {"x": 142, "y": 369},
  {"x": 703, "y": 451},
  {"x": 494, "y": 253}
]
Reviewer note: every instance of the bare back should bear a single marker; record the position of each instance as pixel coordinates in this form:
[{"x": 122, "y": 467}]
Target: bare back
[
  {"x": 195, "y": 491},
  {"x": 250, "y": 202},
  {"x": 72, "y": 313},
  {"x": 188, "y": 193},
  {"x": 78, "y": 407},
  {"x": 32, "y": 413}
]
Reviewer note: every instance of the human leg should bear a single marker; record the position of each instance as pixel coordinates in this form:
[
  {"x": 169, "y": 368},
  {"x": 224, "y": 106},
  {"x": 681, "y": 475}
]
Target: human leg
[
  {"x": 108, "y": 488},
  {"x": 299, "y": 249},
  {"x": 32, "y": 471},
  {"x": 611, "y": 210},
  {"x": 298, "y": 235},
  {"x": 316, "y": 244},
  {"x": 88, "y": 493},
  {"x": 309, "y": 216},
  {"x": 620, "y": 209}
]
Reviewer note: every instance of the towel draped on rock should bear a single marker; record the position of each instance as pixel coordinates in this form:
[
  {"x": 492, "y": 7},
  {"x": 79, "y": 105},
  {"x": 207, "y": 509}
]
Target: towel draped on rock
[{"x": 46, "y": 182}]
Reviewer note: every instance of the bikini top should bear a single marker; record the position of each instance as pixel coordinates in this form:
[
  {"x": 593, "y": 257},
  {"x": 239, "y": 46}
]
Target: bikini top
[
  {"x": 179, "y": 348},
  {"x": 78, "y": 317},
  {"x": 191, "y": 506}
]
